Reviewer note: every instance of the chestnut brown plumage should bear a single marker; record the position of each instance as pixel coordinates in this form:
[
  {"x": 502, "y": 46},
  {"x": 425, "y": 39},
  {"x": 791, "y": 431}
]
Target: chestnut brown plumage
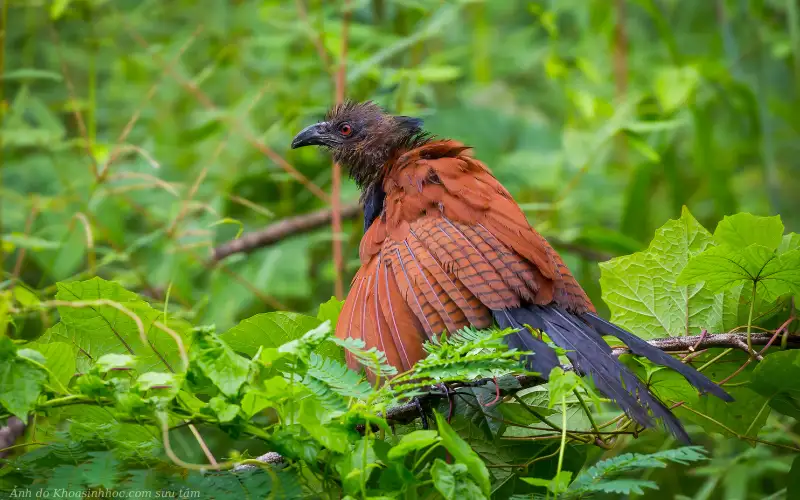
[{"x": 446, "y": 246}]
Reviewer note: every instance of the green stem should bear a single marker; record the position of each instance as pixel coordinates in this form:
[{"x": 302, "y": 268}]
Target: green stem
[
  {"x": 563, "y": 437},
  {"x": 588, "y": 412},
  {"x": 715, "y": 359},
  {"x": 750, "y": 320},
  {"x": 424, "y": 456}
]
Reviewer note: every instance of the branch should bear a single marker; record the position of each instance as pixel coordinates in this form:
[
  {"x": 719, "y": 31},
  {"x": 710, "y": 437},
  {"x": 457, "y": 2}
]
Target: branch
[
  {"x": 308, "y": 222},
  {"x": 409, "y": 411},
  {"x": 283, "y": 229}
]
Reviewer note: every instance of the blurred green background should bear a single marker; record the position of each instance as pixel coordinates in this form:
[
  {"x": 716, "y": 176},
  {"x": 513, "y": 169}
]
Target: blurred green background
[{"x": 138, "y": 135}]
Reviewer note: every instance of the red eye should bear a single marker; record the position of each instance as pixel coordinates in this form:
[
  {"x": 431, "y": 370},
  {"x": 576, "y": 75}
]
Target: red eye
[{"x": 345, "y": 129}]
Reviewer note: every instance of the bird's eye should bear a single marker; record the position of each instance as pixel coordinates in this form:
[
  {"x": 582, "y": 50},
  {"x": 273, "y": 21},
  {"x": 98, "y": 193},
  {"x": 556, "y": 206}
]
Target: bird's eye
[{"x": 345, "y": 129}]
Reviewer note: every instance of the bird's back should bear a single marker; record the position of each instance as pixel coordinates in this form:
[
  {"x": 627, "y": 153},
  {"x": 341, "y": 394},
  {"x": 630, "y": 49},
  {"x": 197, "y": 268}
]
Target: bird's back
[{"x": 450, "y": 246}]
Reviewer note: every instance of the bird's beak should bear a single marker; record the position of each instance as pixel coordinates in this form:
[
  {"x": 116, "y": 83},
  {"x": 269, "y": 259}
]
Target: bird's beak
[{"x": 313, "y": 135}]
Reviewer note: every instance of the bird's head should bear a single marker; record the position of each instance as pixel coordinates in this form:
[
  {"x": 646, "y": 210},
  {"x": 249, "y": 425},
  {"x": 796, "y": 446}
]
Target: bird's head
[{"x": 363, "y": 137}]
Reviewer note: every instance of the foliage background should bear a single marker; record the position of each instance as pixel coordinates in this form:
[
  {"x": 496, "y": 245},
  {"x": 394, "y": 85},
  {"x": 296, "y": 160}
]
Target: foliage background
[{"x": 552, "y": 95}]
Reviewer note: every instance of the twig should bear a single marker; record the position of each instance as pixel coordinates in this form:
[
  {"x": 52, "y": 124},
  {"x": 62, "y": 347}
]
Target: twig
[
  {"x": 292, "y": 226},
  {"x": 316, "y": 39},
  {"x": 336, "y": 169},
  {"x": 235, "y": 123},
  {"x": 281, "y": 230}
]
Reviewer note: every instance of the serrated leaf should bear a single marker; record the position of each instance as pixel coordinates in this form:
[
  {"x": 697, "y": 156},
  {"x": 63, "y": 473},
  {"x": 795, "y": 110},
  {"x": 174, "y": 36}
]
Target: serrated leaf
[
  {"x": 744, "y": 229},
  {"x": 274, "y": 329},
  {"x": 596, "y": 478},
  {"x": 724, "y": 267},
  {"x": 789, "y": 242},
  {"x": 103, "y": 329},
  {"x": 217, "y": 362},
  {"x": 642, "y": 290}
]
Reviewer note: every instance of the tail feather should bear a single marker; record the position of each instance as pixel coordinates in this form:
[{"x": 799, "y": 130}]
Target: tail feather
[
  {"x": 544, "y": 358},
  {"x": 641, "y": 348},
  {"x": 589, "y": 353}
]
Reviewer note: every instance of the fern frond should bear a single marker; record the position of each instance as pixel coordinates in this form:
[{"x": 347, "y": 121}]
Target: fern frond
[
  {"x": 373, "y": 358},
  {"x": 596, "y": 478},
  {"x": 332, "y": 382}
]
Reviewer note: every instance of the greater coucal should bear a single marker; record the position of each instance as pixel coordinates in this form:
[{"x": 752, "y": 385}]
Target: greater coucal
[{"x": 446, "y": 246}]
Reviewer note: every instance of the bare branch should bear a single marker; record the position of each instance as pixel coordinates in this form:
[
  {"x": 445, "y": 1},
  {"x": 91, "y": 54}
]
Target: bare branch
[
  {"x": 308, "y": 222},
  {"x": 281, "y": 230}
]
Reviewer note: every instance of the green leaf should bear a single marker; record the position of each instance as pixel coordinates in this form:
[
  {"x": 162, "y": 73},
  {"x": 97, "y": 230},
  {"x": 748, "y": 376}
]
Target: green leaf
[
  {"x": 643, "y": 293},
  {"x": 332, "y": 382},
  {"x": 59, "y": 359},
  {"x": 462, "y": 453},
  {"x": 452, "y": 481},
  {"x": 560, "y": 384},
  {"x": 274, "y": 329},
  {"x": 674, "y": 86},
  {"x": 102, "y": 329},
  {"x": 596, "y": 478},
  {"x": 746, "y": 415},
  {"x": 224, "y": 410},
  {"x": 724, "y": 267},
  {"x": 211, "y": 357},
  {"x": 157, "y": 380},
  {"x": 789, "y": 242},
  {"x": 101, "y": 471},
  {"x": 57, "y": 8},
  {"x": 271, "y": 329},
  {"x": 744, "y": 229},
  {"x": 111, "y": 362},
  {"x": 329, "y": 435},
  {"x": 329, "y": 311},
  {"x": 21, "y": 381},
  {"x": 775, "y": 378},
  {"x": 414, "y": 441},
  {"x": 558, "y": 484}
]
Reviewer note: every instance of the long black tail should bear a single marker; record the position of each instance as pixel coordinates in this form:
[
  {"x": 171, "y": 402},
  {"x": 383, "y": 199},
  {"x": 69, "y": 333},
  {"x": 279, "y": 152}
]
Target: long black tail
[{"x": 589, "y": 353}]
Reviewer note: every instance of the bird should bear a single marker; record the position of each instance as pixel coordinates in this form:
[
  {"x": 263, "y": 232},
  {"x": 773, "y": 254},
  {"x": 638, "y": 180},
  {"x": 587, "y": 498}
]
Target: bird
[{"x": 445, "y": 246}]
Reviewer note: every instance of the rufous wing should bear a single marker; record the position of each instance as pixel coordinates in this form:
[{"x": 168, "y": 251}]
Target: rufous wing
[{"x": 450, "y": 247}]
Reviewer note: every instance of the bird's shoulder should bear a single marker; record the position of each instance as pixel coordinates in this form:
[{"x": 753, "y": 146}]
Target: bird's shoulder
[{"x": 437, "y": 179}]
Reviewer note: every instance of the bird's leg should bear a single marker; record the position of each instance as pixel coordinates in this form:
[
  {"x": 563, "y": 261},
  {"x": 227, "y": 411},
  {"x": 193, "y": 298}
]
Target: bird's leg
[
  {"x": 423, "y": 418},
  {"x": 496, "y": 397}
]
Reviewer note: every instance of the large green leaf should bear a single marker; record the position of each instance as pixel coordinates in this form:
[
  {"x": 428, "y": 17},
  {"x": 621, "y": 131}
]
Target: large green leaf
[
  {"x": 274, "y": 329},
  {"x": 744, "y": 229},
  {"x": 724, "y": 267},
  {"x": 103, "y": 329},
  {"x": 643, "y": 293},
  {"x": 744, "y": 416}
]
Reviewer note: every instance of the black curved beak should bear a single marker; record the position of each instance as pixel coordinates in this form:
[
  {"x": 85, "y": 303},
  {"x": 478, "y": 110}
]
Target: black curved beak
[{"x": 313, "y": 135}]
